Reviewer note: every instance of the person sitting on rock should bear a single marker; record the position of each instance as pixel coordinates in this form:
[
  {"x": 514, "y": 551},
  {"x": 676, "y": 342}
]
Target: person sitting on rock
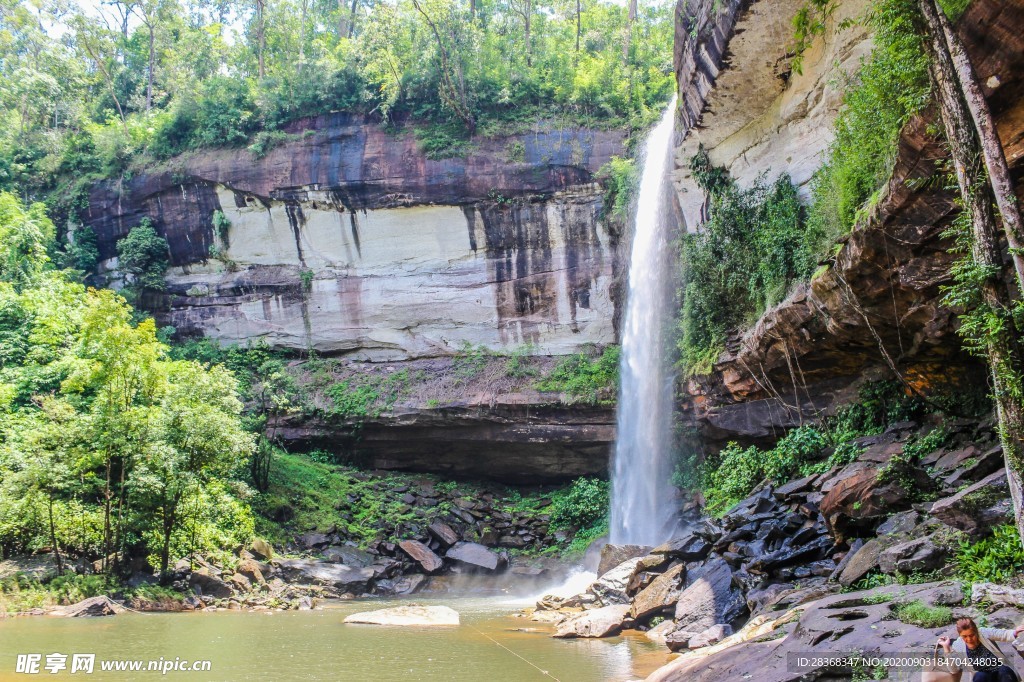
[{"x": 976, "y": 645}]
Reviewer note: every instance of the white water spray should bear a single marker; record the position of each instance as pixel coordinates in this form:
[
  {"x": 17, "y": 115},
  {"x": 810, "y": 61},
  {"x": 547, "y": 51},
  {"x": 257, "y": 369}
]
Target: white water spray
[{"x": 643, "y": 511}]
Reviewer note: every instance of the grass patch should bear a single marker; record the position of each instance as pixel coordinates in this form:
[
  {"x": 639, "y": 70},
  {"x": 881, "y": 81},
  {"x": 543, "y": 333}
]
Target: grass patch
[
  {"x": 918, "y": 613},
  {"x": 998, "y": 558},
  {"x": 585, "y": 378}
]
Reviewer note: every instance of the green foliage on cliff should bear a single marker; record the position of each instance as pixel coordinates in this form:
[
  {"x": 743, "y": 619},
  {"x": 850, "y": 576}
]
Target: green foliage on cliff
[
  {"x": 586, "y": 378},
  {"x": 143, "y": 256},
  {"x": 730, "y": 475},
  {"x": 741, "y": 262},
  {"x": 621, "y": 180},
  {"x": 583, "y": 506},
  {"x": 107, "y": 445},
  {"x": 889, "y": 87}
]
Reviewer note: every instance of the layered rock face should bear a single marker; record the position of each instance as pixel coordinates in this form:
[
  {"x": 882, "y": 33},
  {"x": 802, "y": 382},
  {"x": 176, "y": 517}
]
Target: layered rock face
[
  {"x": 882, "y": 296},
  {"x": 347, "y": 239}
]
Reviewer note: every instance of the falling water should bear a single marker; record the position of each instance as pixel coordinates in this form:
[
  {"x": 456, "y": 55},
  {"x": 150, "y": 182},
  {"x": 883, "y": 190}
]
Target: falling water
[{"x": 643, "y": 512}]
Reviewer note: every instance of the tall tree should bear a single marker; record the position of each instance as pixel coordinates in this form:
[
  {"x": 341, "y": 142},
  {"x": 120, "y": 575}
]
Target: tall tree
[{"x": 992, "y": 323}]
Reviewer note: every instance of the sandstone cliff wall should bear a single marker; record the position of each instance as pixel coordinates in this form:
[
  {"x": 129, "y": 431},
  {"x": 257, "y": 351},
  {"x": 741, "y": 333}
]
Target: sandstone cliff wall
[
  {"x": 348, "y": 239},
  {"x": 885, "y": 287}
]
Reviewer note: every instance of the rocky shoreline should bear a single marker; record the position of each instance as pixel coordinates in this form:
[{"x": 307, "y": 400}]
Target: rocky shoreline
[{"x": 832, "y": 563}]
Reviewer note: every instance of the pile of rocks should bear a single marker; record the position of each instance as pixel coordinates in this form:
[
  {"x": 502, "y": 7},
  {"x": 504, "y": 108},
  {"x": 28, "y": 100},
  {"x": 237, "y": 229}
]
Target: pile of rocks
[{"x": 885, "y": 513}]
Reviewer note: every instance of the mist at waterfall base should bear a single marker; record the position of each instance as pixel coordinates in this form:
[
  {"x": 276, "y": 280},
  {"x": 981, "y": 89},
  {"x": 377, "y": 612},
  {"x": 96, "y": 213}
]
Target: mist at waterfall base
[{"x": 643, "y": 508}]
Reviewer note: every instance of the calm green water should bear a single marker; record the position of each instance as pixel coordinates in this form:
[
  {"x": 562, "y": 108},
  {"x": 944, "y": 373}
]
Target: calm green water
[{"x": 315, "y": 645}]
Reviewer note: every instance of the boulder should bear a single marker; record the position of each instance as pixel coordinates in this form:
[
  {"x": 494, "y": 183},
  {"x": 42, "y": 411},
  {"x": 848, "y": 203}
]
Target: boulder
[
  {"x": 444, "y": 533},
  {"x": 789, "y": 554},
  {"x": 614, "y": 555},
  {"x": 659, "y": 632},
  {"x": 350, "y": 556},
  {"x": 861, "y": 500},
  {"x": 204, "y": 582},
  {"x": 262, "y": 549},
  {"x": 903, "y": 522},
  {"x": 907, "y": 557},
  {"x": 475, "y": 557},
  {"x": 407, "y": 615},
  {"x": 428, "y": 561},
  {"x": 977, "y": 508},
  {"x": 313, "y": 540},
  {"x": 610, "y": 588},
  {"x": 710, "y": 598},
  {"x": 250, "y": 568},
  {"x": 997, "y": 594},
  {"x": 602, "y": 622},
  {"x": 409, "y": 584},
  {"x": 101, "y": 605},
  {"x": 862, "y": 561},
  {"x": 689, "y": 547},
  {"x": 763, "y": 598},
  {"x": 713, "y": 635},
  {"x": 339, "y": 576},
  {"x": 660, "y": 594}
]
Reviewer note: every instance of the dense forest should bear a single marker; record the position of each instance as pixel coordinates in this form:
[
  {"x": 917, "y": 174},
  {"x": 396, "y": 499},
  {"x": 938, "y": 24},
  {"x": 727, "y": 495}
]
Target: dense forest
[{"x": 102, "y": 90}]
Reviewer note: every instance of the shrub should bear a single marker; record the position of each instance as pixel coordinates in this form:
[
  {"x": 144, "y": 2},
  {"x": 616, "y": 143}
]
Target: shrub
[
  {"x": 144, "y": 255},
  {"x": 584, "y": 504},
  {"x": 998, "y": 558},
  {"x": 621, "y": 178},
  {"x": 741, "y": 262},
  {"x": 584, "y": 378}
]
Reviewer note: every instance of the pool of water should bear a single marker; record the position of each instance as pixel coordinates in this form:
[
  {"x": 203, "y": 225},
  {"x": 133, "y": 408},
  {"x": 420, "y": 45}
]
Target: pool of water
[{"x": 316, "y": 645}]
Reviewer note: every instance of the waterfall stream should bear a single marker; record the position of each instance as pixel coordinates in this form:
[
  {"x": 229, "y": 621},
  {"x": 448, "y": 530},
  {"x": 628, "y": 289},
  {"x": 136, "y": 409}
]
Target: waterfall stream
[{"x": 643, "y": 509}]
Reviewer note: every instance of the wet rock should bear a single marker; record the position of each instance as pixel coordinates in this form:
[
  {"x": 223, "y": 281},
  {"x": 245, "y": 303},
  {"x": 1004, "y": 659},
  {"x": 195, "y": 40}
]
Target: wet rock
[
  {"x": 710, "y": 598},
  {"x": 350, "y": 556},
  {"x": 789, "y": 555},
  {"x": 428, "y": 561},
  {"x": 800, "y": 485},
  {"x": 690, "y": 547},
  {"x": 907, "y": 557},
  {"x": 659, "y": 632},
  {"x": 338, "y": 576},
  {"x": 408, "y": 616},
  {"x": 444, "y": 533},
  {"x": 977, "y": 508},
  {"x": 713, "y": 635},
  {"x": 474, "y": 556},
  {"x": 101, "y": 605},
  {"x": 661, "y": 594},
  {"x": 614, "y": 555},
  {"x": 610, "y": 588},
  {"x": 603, "y": 622},
  {"x": 758, "y": 600}
]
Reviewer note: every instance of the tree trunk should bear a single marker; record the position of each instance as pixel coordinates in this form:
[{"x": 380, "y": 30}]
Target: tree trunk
[
  {"x": 991, "y": 147},
  {"x": 527, "y": 15},
  {"x": 149, "y": 84},
  {"x": 630, "y": 18},
  {"x": 352, "y": 19},
  {"x": 261, "y": 36},
  {"x": 302, "y": 32},
  {"x": 106, "y": 519},
  {"x": 579, "y": 13},
  {"x": 1002, "y": 345},
  {"x": 53, "y": 538}
]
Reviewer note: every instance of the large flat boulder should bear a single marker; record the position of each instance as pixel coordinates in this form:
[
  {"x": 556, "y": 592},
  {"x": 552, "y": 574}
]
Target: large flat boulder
[
  {"x": 611, "y": 587},
  {"x": 417, "y": 551},
  {"x": 338, "y": 576},
  {"x": 979, "y": 507},
  {"x": 908, "y": 557},
  {"x": 412, "y": 615},
  {"x": 473, "y": 556},
  {"x": 100, "y": 605},
  {"x": 603, "y": 622},
  {"x": 710, "y": 598}
]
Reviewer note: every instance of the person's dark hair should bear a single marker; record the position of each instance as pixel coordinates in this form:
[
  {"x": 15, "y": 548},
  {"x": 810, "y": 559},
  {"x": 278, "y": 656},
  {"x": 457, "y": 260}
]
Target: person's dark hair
[{"x": 965, "y": 624}]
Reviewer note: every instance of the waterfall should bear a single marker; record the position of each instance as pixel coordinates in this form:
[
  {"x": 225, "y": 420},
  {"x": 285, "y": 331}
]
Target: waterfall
[{"x": 643, "y": 499}]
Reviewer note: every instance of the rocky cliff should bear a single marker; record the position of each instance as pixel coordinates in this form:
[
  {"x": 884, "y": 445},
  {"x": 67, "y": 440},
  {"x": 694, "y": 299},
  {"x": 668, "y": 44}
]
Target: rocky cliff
[
  {"x": 346, "y": 238},
  {"x": 882, "y": 294}
]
